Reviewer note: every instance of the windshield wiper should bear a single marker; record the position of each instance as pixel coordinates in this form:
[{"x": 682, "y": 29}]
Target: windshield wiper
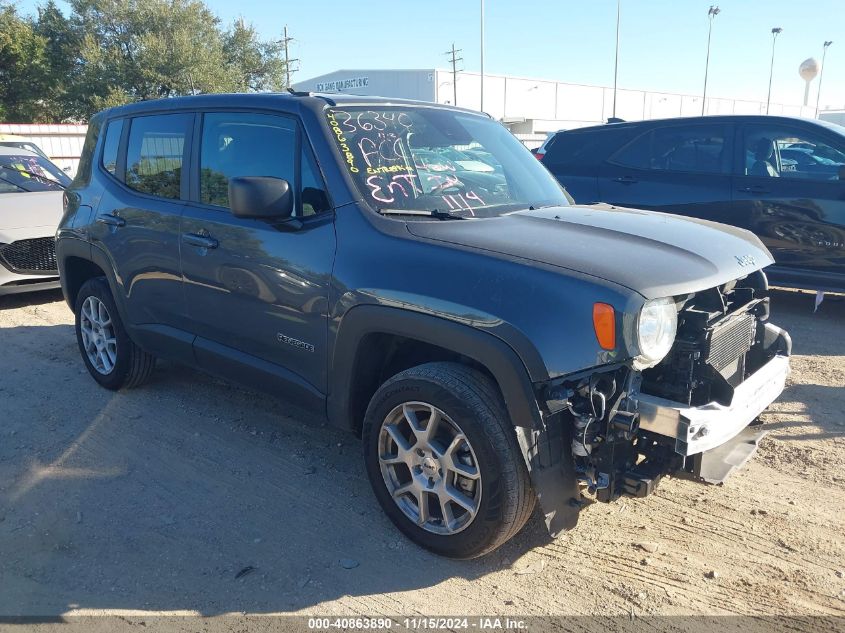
[
  {"x": 44, "y": 179},
  {"x": 429, "y": 213}
]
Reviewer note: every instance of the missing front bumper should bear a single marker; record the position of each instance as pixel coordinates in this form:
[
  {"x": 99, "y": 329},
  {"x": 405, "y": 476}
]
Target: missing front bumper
[{"x": 699, "y": 429}]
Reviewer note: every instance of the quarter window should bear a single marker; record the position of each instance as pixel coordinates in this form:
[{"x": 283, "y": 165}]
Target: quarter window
[
  {"x": 110, "y": 145},
  {"x": 314, "y": 197},
  {"x": 690, "y": 149},
  {"x": 244, "y": 144},
  {"x": 156, "y": 153}
]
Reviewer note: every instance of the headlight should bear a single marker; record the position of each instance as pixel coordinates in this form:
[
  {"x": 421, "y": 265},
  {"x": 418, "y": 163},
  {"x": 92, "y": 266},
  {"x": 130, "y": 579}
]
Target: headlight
[{"x": 656, "y": 328}]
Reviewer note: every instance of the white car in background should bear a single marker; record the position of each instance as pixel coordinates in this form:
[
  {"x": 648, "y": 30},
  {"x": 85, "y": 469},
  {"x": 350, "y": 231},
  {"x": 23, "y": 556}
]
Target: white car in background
[
  {"x": 20, "y": 142},
  {"x": 31, "y": 191}
]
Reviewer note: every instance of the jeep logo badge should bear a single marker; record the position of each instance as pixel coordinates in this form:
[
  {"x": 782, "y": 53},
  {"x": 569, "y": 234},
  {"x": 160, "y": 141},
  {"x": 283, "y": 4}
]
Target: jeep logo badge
[{"x": 745, "y": 260}]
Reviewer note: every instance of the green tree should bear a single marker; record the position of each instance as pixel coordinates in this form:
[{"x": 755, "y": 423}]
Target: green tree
[
  {"x": 258, "y": 66},
  {"x": 145, "y": 49},
  {"x": 62, "y": 52},
  {"x": 110, "y": 52},
  {"x": 24, "y": 68}
]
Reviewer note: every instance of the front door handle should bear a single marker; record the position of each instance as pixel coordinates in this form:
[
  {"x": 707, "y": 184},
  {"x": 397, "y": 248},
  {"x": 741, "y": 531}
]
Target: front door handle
[
  {"x": 201, "y": 241},
  {"x": 626, "y": 180},
  {"x": 111, "y": 220},
  {"x": 754, "y": 189}
]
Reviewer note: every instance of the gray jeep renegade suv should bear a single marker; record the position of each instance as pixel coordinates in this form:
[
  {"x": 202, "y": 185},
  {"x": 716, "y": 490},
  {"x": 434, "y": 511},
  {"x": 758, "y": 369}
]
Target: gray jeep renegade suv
[{"x": 415, "y": 275}]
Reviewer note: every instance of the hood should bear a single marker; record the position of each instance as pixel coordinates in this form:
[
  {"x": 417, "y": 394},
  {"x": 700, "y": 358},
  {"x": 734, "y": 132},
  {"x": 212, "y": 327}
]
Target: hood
[
  {"x": 30, "y": 210},
  {"x": 654, "y": 254}
]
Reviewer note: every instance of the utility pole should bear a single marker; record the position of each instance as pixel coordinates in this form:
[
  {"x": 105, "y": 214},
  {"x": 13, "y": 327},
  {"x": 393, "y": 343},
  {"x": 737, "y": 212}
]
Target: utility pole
[
  {"x": 454, "y": 61},
  {"x": 616, "y": 61},
  {"x": 775, "y": 32},
  {"x": 714, "y": 11},
  {"x": 288, "y": 60},
  {"x": 821, "y": 75},
  {"x": 482, "y": 56}
]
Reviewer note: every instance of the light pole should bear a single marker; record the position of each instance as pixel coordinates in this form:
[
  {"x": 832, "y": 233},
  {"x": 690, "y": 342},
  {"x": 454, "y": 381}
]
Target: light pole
[
  {"x": 482, "y": 55},
  {"x": 821, "y": 75},
  {"x": 775, "y": 32},
  {"x": 616, "y": 61},
  {"x": 712, "y": 13}
]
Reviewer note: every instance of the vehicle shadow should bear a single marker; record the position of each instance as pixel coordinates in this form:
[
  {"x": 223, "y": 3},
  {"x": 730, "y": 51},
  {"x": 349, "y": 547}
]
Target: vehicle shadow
[
  {"x": 189, "y": 495},
  {"x": 818, "y": 338},
  {"x": 42, "y": 297},
  {"x": 794, "y": 311}
]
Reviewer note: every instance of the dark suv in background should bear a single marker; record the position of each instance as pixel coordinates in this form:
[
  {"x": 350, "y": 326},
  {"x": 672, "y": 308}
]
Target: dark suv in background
[
  {"x": 781, "y": 178},
  {"x": 411, "y": 273}
]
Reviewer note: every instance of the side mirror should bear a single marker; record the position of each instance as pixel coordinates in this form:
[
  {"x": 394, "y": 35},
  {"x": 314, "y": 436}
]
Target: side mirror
[{"x": 260, "y": 197}]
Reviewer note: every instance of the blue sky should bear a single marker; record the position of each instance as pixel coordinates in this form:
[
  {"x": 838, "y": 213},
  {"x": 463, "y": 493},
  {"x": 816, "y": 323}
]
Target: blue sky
[{"x": 662, "y": 42}]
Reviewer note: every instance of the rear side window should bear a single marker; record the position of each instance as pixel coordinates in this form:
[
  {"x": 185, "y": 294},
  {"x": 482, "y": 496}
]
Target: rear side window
[
  {"x": 244, "y": 144},
  {"x": 700, "y": 148},
  {"x": 110, "y": 146},
  {"x": 786, "y": 152},
  {"x": 155, "y": 154}
]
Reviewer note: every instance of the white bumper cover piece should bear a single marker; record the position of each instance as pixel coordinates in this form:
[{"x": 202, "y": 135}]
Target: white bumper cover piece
[{"x": 699, "y": 429}]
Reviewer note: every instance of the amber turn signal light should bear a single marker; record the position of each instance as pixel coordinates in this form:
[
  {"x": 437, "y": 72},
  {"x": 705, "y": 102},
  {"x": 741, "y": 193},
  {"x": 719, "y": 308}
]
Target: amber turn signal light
[{"x": 604, "y": 323}]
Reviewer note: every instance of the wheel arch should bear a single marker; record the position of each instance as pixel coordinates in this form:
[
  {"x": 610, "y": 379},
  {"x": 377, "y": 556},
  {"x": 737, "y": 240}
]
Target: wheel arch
[
  {"x": 360, "y": 356},
  {"x": 80, "y": 261}
]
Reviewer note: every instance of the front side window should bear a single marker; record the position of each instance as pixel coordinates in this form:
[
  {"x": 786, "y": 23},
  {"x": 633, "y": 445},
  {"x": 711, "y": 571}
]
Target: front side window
[
  {"x": 110, "y": 145},
  {"x": 244, "y": 144},
  {"x": 698, "y": 149},
  {"x": 26, "y": 171},
  {"x": 155, "y": 154},
  {"x": 773, "y": 152},
  {"x": 435, "y": 159}
]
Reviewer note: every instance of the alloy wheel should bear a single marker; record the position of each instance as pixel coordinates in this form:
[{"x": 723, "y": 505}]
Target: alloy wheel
[
  {"x": 98, "y": 336},
  {"x": 429, "y": 468}
]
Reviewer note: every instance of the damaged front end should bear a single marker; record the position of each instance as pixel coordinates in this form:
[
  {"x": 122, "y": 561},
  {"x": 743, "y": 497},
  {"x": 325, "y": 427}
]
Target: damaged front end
[{"x": 620, "y": 429}]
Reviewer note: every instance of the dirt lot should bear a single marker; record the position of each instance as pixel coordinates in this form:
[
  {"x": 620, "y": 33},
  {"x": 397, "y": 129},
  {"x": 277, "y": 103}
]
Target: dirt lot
[{"x": 153, "y": 500}]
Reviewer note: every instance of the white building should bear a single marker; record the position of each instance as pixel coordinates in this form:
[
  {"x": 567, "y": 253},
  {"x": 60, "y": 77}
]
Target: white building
[
  {"x": 61, "y": 142},
  {"x": 533, "y": 106}
]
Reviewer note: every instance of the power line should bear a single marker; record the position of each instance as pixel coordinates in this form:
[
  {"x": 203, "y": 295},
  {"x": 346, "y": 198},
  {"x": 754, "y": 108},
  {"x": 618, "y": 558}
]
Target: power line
[{"x": 454, "y": 61}]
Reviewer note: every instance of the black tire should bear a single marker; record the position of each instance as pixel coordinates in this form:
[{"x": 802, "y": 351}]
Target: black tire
[
  {"x": 132, "y": 365},
  {"x": 474, "y": 403}
]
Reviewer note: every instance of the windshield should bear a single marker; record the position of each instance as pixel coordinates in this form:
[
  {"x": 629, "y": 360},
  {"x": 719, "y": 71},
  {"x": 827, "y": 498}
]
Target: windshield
[
  {"x": 439, "y": 160},
  {"x": 26, "y": 172},
  {"x": 32, "y": 147}
]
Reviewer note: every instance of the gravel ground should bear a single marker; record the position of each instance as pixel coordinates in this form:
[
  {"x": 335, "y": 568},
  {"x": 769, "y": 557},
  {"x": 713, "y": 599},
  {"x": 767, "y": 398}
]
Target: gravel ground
[{"x": 190, "y": 495}]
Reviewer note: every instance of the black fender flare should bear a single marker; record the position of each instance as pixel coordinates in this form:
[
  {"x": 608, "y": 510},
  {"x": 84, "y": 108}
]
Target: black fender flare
[
  {"x": 543, "y": 440},
  {"x": 506, "y": 367},
  {"x": 68, "y": 247}
]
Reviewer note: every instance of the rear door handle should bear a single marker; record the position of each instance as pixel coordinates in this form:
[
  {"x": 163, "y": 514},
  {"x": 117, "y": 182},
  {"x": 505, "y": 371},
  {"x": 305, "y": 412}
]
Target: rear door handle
[
  {"x": 111, "y": 220},
  {"x": 201, "y": 241},
  {"x": 626, "y": 180},
  {"x": 754, "y": 189}
]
